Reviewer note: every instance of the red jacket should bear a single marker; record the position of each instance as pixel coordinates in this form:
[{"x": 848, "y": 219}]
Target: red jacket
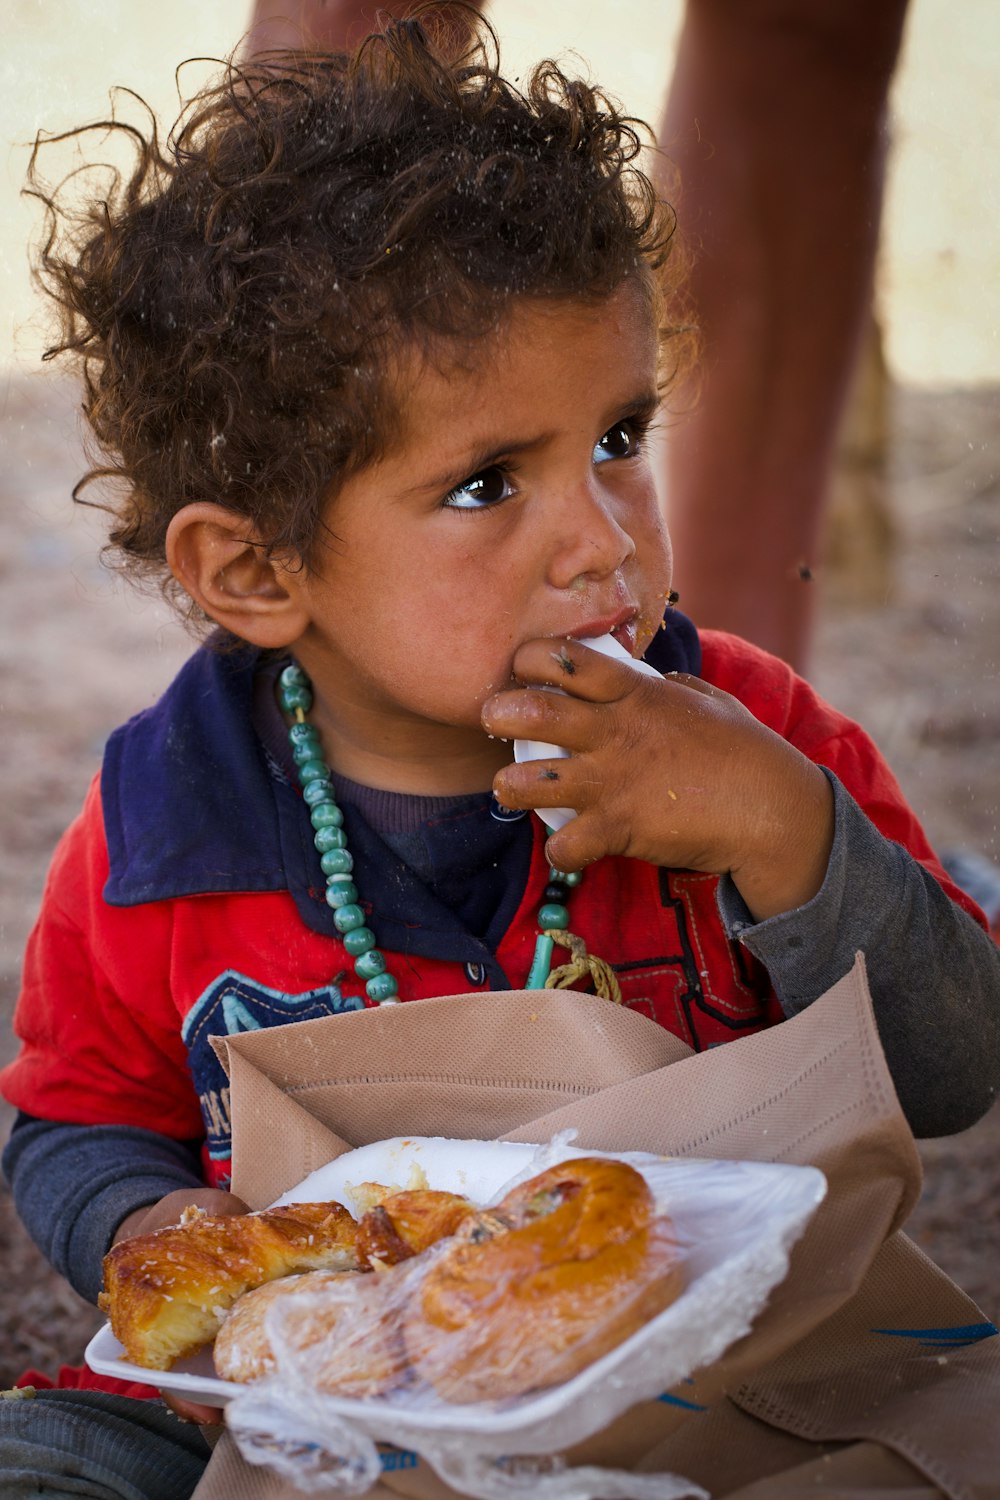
[{"x": 119, "y": 1000}]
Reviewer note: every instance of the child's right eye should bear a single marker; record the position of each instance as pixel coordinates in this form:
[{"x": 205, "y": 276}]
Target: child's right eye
[{"x": 480, "y": 491}]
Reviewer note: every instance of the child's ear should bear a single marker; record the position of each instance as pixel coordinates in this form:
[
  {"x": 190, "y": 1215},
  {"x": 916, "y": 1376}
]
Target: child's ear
[{"x": 221, "y": 561}]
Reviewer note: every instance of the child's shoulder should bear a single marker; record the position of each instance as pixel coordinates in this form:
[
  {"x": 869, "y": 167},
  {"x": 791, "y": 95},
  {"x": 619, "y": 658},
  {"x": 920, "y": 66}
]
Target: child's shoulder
[
  {"x": 771, "y": 690},
  {"x": 730, "y": 660},
  {"x": 208, "y": 698}
]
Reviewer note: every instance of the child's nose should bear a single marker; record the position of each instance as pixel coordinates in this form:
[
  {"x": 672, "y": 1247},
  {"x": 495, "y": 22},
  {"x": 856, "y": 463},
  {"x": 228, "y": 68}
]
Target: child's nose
[{"x": 590, "y": 541}]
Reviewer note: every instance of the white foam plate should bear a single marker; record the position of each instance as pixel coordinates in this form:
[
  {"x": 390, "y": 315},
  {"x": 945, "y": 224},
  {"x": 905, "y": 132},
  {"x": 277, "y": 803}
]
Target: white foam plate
[{"x": 736, "y": 1220}]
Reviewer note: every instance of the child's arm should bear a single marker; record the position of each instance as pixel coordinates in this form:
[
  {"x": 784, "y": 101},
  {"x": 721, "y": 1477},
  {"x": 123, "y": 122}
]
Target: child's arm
[
  {"x": 77, "y": 1187},
  {"x": 933, "y": 972},
  {"x": 101, "y": 1060},
  {"x": 169, "y": 1209}
]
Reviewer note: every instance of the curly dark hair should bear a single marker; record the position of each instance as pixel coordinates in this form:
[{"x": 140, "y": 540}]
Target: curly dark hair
[{"x": 235, "y": 302}]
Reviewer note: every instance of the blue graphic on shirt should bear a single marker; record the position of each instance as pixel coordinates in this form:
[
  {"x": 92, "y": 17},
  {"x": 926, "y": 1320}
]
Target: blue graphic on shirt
[
  {"x": 234, "y": 1003},
  {"x": 943, "y": 1338}
]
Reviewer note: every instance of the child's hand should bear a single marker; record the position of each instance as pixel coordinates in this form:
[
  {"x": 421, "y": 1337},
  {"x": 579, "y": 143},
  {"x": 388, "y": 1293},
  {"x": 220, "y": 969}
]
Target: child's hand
[
  {"x": 675, "y": 772},
  {"x": 168, "y": 1211}
]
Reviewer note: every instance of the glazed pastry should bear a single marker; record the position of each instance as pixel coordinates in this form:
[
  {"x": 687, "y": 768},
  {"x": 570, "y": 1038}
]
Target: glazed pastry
[
  {"x": 405, "y": 1223},
  {"x": 526, "y": 1295},
  {"x": 361, "y": 1363},
  {"x": 167, "y": 1293}
]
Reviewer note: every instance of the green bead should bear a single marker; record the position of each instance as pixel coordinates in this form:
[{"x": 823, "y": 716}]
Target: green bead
[
  {"x": 359, "y": 940},
  {"x": 326, "y": 815},
  {"x": 341, "y": 893},
  {"x": 318, "y": 791},
  {"x": 293, "y": 676},
  {"x": 303, "y": 734},
  {"x": 382, "y": 987},
  {"x": 348, "y": 916},
  {"x": 295, "y": 696},
  {"x": 541, "y": 963},
  {"x": 313, "y": 770},
  {"x": 370, "y": 964},
  {"x": 552, "y": 915},
  {"x": 340, "y": 861},
  {"x": 570, "y": 877},
  {"x": 307, "y": 750},
  {"x": 332, "y": 838}
]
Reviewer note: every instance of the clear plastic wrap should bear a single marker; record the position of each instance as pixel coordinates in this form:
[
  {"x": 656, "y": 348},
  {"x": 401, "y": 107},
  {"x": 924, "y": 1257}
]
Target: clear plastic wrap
[
  {"x": 721, "y": 1235},
  {"x": 538, "y": 1320}
]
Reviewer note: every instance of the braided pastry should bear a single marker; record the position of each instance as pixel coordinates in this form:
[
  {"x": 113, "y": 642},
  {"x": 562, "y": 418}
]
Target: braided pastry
[
  {"x": 166, "y": 1293},
  {"x": 526, "y": 1295},
  {"x": 360, "y": 1316}
]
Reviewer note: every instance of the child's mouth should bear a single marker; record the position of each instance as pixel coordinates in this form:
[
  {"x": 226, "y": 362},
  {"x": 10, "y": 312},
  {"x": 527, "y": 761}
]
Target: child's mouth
[
  {"x": 624, "y": 634},
  {"x": 623, "y": 628}
]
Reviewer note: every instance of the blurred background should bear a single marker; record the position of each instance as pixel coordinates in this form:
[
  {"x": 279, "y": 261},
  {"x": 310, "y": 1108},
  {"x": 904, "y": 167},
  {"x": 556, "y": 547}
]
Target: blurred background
[
  {"x": 909, "y": 628},
  {"x": 939, "y": 287}
]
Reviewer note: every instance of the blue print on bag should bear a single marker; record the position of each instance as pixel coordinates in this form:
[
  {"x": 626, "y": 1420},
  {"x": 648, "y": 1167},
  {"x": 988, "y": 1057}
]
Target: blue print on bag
[
  {"x": 671, "y": 1400},
  {"x": 393, "y": 1459},
  {"x": 234, "y": 1003},
  {"x": 943, "y": 1338}
]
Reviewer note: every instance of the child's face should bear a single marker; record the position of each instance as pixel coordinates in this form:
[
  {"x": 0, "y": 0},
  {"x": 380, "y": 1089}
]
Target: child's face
[{"x": 517, "y": 502}]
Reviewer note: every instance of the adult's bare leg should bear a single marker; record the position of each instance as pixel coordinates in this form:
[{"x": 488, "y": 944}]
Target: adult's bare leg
[
  {"x": 777, "y": 121},
  {"x": 335, "y": 25}
]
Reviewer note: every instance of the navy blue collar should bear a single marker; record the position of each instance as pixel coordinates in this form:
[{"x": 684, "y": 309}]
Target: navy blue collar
[{"x": 194, "y": 805}]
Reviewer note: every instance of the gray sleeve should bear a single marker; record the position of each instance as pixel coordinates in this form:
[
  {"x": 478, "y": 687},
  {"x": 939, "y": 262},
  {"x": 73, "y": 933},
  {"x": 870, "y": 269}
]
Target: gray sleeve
[
  {"x": 74, "y": 1184},
  {"x": 933, "y": 972}
]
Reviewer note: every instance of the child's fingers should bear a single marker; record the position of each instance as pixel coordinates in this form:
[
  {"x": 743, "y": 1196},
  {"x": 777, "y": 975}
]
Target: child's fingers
[
  {"x": 193, "y": 1411},
  {"x": 554, "y": 718},
  {"x": 698, "y": 684},
  {"x": 568, "y": 664},
  {"x": 544, "y": 783},
  {"x": 168, "y": 1210},
  {"x": 586, "y": 838}
]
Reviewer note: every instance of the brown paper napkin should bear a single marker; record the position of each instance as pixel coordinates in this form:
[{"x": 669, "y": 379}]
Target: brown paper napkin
[{"x": 812, "y": 1376}]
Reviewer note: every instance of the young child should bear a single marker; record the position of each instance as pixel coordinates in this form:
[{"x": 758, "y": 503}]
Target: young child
[{"x": 374, "y": 348}]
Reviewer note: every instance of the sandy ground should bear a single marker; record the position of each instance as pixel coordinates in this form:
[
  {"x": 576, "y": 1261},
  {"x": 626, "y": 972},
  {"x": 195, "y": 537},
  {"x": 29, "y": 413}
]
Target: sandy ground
[{"x": 78, "y": 653}]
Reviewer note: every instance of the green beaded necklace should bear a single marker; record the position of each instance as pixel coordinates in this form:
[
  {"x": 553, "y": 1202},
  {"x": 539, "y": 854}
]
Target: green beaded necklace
[{"x": 296, "y": 697}]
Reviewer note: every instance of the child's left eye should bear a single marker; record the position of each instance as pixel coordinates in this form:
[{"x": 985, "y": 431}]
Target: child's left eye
[
  {"x": 620, "y": 441},
  {"x": 480, "y": 491}
]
